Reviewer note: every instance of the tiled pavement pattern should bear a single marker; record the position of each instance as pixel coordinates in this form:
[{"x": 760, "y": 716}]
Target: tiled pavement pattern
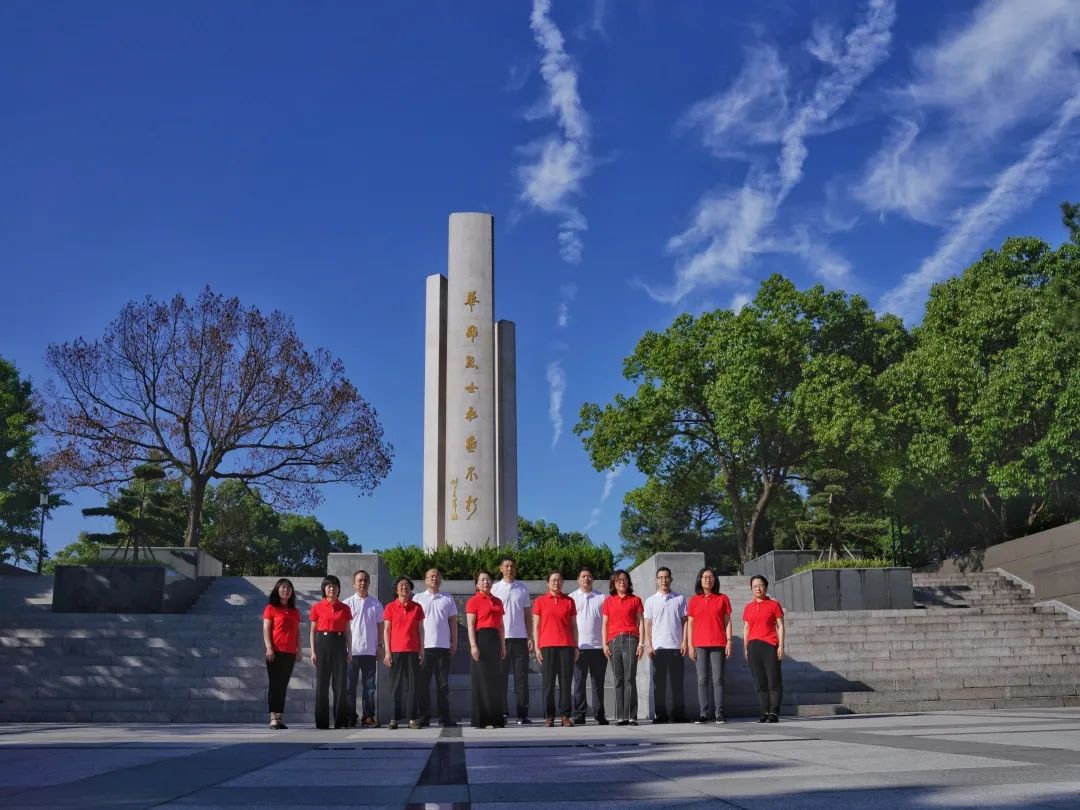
[{"x": 1016, "y": 758}]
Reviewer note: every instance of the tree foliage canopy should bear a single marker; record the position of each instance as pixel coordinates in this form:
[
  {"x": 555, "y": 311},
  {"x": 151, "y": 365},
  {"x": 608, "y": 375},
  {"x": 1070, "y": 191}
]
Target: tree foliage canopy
[{"x": 213, "y": 391}]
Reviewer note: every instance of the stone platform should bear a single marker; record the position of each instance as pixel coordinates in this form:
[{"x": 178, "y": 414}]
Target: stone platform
[{"x": 985, "y": 759}]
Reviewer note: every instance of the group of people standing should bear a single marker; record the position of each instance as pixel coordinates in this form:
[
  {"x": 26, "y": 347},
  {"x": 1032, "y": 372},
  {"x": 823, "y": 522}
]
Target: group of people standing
[{"x": 573, "y": 637}]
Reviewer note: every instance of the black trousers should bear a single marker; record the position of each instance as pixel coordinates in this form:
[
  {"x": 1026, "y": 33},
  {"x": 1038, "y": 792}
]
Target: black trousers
[
  {"x": 330, "y": 665},
  {"x": 517, "y": 661},
  {"x": 279, "y": 671},
  {"x": 766, "y": 668},
  {"x": 558, "y": 665},
  {"x": 362, "y": 675},
  {"x": 436, "y": 664},
  {"x": 404, "y": 680},
  {"x": 487, "y": 682},
  {"x": 668, "y": 675},
  {"x": 593, "y": 664}
]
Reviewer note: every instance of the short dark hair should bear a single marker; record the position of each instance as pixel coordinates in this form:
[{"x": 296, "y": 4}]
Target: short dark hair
[
  {"x": 664, "y": 568},
  {"x": 401, "y": 579},
  {"x": 552, "y": 573},
  {"x": 620, "y": 572},
  {"x": 506, "y": 557},
  {"x": 330, "y": 579},
  {"x": 359, "y": 571},
  {"x": 584, "y": 569},
  {"x": 476, "y": 576},
  {"x": 764, "y": 581},
  {"x": 697, "y": 583},
  {"x": 275, "y": 599}
]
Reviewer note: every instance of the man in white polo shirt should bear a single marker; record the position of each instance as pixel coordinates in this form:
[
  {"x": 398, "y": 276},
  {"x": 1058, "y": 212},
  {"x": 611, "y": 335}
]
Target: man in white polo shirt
[
  {"x": 440, "y": 644},
  {"x": 517, "y": 624},
  {"x": 366, "y": 631},
  {"x": 665, "y": 644},
  {"x": 591, "y": 661}
]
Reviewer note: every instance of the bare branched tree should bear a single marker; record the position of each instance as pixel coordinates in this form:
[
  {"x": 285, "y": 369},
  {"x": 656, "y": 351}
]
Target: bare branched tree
[{"x": 213, "y": 391}]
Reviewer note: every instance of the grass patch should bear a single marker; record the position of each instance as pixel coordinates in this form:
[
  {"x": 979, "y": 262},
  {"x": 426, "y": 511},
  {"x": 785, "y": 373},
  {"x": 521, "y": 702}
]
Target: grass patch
[{"x": 847, "y": 562}]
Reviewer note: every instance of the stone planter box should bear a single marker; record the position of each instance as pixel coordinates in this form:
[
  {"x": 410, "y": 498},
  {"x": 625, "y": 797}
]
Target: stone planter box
[
  {"x": 846, "y": 589},
  {"x": 777, "y": 565},
  {"x": 109, "y": 589}
]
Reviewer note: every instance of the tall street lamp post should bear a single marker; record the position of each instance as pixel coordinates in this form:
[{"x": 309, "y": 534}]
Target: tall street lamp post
[{"x": 43, "y": 501}]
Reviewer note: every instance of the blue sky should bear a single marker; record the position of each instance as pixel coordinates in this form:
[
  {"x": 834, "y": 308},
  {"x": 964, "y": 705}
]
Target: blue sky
[{"x": 641, "y": 159}]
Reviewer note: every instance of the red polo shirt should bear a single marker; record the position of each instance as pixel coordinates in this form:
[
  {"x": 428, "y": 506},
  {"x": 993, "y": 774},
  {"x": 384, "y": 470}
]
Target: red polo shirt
[
  {"x": 330, "y": 617},
  {"x": 284, "y": 628},
  {"x": 557, "y": 622},
  {"x": 405, "y": 621},
  {"x": 487, "y": 609},
  {"x": 761, "y": 620},
  {"x": 622, "y": 614},
  {"x": 709, "y": 612}
]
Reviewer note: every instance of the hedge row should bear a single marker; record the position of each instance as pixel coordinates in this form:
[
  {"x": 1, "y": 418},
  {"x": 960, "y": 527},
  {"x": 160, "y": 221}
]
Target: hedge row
[
  {"x": 847, "y": 562},
  {"x": 533, "y": 563}
]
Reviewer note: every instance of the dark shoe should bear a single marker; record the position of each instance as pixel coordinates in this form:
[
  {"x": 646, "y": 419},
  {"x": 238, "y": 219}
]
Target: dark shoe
[
  {"x": 622, "y": 722},
  {"x": 702, "y": 721},
  {"x": 392, "y": 725},
  {"x": 281, "y": 725},
  {"x": 549, "y": 722},
  {"x": 774, "y": 718},
  {"x": 601, "y": 721},
  {"x": 524, "y": 721},
  {"x": 321, "y": 728},
  {"x": 659, "y": 721},
  {"x": 448, "y": 724},
  {"x": 567, "y": 722},
  {"x": 720, "y": 719},
  {"x": 633, "y": 722},
  {"x": 579, "y": 721},
  {"x": 763, "y": 719}
]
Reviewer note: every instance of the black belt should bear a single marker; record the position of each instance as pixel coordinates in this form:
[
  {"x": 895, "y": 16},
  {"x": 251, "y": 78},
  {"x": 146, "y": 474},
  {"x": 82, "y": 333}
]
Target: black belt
[{"x": 329, "y": 633}]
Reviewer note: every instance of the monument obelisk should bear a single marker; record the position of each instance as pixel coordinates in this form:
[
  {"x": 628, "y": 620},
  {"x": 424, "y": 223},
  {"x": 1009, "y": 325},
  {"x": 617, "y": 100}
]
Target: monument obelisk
[{"x": 470, "y": 399}]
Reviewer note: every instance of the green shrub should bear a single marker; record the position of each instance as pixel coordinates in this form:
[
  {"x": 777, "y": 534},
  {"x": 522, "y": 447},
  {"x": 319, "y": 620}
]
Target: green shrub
[
  {"x": 847, "y": 562},
  {"x": 533, "y": 563}
]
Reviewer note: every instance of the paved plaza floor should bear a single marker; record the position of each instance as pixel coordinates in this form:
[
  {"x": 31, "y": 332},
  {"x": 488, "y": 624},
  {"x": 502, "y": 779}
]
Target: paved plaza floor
[{"x": 1018, "y": 758}]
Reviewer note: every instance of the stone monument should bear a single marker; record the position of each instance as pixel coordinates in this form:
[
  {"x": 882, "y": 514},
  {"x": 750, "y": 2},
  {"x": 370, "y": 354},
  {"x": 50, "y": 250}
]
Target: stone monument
[{"x": 470, "y": 399}]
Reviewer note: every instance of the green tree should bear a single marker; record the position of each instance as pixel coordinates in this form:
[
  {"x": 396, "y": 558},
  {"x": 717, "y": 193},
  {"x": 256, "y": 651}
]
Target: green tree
[
  {"x": 214, "y": 392},
  {"x": 833, "y": 522},
  {"x": 150, "y": 512},
  {"x": 757, "y": 395},
  {"x": 22, "y": 476},
  {"x": 987, "y": 403},
  {"x": 681, "y": 510},
  {"x": 536, "y": 533},
  {"x": 83, "y": 551}
]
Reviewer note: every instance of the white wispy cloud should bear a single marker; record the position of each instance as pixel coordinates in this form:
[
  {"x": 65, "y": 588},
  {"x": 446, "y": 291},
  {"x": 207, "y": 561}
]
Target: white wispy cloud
[
  {"x": 738, "y": 301},
  {"x": 1007, "y": 65},
  {"x": 556, "y": 378},
  {"x": 567, "y": 292},
  {"x": 558, "y": 163},
  {"x": 730, "y": 227},
  {"x": 1013, "y": 188},
  {"x": 610, "y": 477}
]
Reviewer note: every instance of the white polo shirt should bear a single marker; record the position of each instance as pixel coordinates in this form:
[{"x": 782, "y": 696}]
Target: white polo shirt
[
  {"x": 515, "y": 599},
  {"x": 666, "y": 612},
  {"x": 366, "y": 615},
  {"x": 589, "y": 621},
  {"x": 439, "y": 608}
]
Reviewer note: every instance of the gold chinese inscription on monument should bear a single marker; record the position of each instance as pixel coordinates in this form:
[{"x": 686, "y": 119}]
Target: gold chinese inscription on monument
[
  {"x": 471, "y": 332},
  {"x": 471, "y": 414},
  {"x": 470, "y": 362},
  {"x": 470, "y": 444},
  {"x": 470, "y": 474},
  {"x": 472, "y": 388},
  {"x": 471, "y": 300},
  {"x": 453, "y": 499},
  {"x": 470, "y": 506}
]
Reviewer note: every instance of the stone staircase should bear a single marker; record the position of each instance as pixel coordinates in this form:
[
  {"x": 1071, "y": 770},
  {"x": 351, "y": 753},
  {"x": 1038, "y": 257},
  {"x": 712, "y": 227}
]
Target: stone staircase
[{"x": 977, "y": 641}]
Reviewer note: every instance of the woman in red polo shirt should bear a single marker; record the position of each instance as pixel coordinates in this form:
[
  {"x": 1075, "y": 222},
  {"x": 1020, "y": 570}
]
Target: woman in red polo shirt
[
  {"x": 708, "y": 643},
  {"x": 623, "y": 630},
  {"x": 555, "y": 630},
  {"x": 281, "y": 637},
  {"x": 330, "y": 646},
  {"x": 484, "y": 622},
  {"x": 403, "y": 632},
  {"x": 763, "y": 637}
]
